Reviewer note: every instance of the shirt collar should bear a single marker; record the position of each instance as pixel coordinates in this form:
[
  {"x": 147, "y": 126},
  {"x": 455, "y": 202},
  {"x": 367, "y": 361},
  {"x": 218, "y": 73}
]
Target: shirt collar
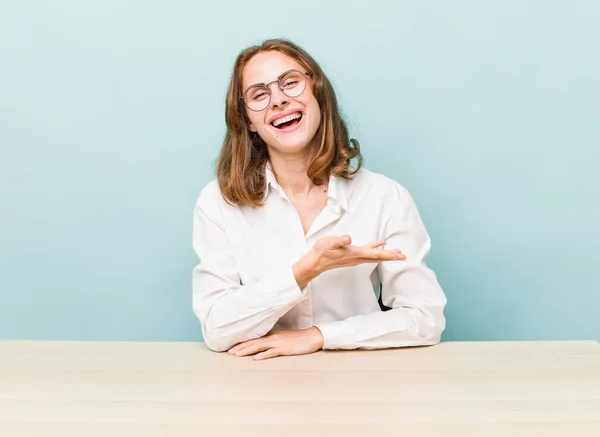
[
  {"x": 271, "y": 181},
  {"x": 336, "y": 190}
]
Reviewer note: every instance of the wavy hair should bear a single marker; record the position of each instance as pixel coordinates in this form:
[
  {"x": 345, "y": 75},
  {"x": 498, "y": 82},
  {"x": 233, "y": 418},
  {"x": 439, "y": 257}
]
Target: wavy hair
[{"x": 244, "y": 155}]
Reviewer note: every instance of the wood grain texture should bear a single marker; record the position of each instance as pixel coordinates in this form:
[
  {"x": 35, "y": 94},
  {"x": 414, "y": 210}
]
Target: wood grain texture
[{"x": 183, "y": 389}]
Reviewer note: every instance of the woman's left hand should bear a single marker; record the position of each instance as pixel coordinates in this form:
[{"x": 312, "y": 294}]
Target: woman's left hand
[{"x": 277, "y": 343}]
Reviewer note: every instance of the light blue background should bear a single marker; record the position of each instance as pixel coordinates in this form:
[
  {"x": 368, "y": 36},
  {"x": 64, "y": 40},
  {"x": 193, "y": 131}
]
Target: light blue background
[{"x": 111, "y": 117}]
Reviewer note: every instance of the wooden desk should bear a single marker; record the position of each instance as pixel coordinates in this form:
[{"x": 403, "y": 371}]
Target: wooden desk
[{"x": 182, "y": 389}]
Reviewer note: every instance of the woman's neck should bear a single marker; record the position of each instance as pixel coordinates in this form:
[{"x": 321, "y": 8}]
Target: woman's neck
[{"x": 291, "y": 173}]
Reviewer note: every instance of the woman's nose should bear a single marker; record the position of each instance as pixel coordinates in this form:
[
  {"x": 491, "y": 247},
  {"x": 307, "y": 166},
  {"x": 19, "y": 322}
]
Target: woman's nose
[{"x": 278, "y": 98}]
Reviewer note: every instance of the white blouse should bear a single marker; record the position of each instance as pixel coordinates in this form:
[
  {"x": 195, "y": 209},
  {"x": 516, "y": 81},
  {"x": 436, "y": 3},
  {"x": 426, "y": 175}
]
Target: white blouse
[{"x": 244, "y": 285}]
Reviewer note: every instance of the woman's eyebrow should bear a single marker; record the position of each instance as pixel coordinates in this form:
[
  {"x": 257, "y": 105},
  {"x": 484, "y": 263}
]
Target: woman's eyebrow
[{"x": 278, "y": 78}]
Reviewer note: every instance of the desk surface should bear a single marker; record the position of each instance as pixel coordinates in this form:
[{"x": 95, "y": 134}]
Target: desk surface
[{"x": 182, "y": 389}]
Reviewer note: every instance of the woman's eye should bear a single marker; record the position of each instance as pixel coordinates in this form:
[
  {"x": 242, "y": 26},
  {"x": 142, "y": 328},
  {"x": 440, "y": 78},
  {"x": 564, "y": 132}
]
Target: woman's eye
[
  {"x": 290, "y": 83},
  {"x": 259, "y": 96}
]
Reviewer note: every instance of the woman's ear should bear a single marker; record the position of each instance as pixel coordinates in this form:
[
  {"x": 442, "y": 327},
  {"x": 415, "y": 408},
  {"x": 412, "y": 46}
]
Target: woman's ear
[{"x": 251, "y": 127}]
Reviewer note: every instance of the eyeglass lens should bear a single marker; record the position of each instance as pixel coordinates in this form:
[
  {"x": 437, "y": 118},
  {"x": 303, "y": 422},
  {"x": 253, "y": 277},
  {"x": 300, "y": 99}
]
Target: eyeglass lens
[{"x": 292, "y": 84}]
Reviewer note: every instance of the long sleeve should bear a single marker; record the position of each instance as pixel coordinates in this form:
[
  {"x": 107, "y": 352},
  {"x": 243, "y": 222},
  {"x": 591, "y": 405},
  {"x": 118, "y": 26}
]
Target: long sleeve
[
  {"x": 409, "y": 288},
  {"x": 229, "y": 312}
]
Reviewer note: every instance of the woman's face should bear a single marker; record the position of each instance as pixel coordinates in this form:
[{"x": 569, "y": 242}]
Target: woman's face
[{"x": 302, "y": 111}]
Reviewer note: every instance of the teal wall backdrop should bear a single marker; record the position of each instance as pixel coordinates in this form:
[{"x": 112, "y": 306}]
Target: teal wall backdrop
[{"x": 111, "y": 117}]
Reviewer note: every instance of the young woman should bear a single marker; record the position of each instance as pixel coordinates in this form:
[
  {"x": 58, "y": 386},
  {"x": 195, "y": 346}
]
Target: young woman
[{"x": 291, "y": 235}]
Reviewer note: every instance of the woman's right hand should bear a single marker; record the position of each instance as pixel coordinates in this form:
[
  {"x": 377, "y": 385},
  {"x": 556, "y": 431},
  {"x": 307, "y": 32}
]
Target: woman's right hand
[{"x": 333, "y": 252}]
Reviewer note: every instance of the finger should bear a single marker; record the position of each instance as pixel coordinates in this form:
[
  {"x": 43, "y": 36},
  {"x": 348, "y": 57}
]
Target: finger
[
  {"x": 245, "y": 344},
  {"x": 250, "y": 350},
  {"x": 375, "y": 244},
  {"x": 399, "y": 255},
  {"x": 270, "y": 353},
  {"x": 382, "y": 255},
  {"x": 242, "y": 345},
  {"x": 255, "y": 343}
]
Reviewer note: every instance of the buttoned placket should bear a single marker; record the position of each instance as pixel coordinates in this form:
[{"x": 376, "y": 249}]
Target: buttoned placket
[{"x": 302, "y": 244}]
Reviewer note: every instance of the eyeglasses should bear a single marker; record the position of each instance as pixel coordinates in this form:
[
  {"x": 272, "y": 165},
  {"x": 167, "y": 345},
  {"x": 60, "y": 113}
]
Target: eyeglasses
[{"x": 291, "y": 83}]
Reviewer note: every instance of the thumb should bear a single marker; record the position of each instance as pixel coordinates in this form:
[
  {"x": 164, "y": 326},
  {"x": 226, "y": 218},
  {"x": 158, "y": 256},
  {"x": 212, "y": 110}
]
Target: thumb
[{"x": 341, "y": 241}]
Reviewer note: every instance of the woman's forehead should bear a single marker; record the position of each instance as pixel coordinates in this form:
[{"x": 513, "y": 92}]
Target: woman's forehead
[{"x": 265, "y": 67}]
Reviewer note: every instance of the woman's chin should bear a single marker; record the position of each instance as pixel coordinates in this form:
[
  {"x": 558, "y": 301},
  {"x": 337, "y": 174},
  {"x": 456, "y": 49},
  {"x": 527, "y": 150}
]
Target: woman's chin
[{"x": 290, "y": 145}]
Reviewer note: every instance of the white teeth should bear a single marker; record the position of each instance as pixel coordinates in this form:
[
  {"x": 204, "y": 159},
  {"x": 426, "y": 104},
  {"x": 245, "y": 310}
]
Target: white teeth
[{"x": 287, "y": 118}]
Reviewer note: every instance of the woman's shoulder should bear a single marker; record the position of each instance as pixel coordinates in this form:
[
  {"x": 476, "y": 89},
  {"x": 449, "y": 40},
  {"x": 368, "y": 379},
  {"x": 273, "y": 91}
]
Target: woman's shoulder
[
  {"x": 367, "y": 180},
  {"x": 210, "y": 197},
  {"x": 380, "y": 191}
]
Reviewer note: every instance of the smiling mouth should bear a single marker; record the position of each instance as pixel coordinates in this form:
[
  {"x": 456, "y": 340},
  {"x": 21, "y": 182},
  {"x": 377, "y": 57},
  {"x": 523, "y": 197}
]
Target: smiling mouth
[{"x": 287, "y": 122}]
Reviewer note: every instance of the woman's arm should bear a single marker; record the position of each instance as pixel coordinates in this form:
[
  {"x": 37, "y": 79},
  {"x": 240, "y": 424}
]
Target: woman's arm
[
  {"x": 410, "y": 289},
  {"x": 229, "y": 312}
]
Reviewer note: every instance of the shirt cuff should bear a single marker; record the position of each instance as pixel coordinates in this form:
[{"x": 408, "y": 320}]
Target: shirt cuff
[
  {"x": 337, "y": 335},
  {"x": 282, "y": 288}
]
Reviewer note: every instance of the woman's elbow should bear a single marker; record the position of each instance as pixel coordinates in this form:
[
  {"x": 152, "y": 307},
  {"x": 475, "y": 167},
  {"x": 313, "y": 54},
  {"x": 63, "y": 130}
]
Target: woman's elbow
[
  {"x": 216, "y": 340},
  {"x": 432, "y": 333}
]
